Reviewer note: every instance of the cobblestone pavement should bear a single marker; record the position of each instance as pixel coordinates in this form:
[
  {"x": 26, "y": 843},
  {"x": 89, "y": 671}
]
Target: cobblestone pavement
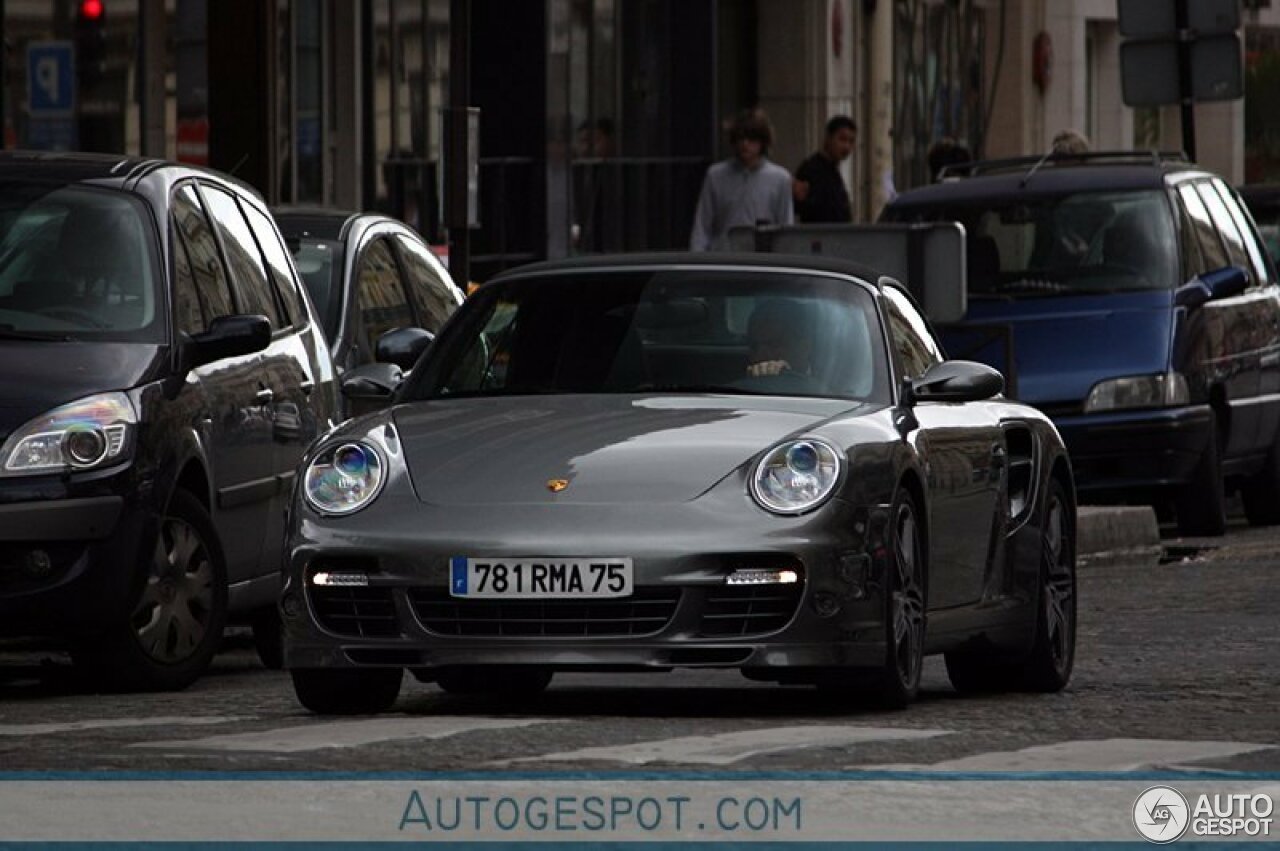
[{"x": 1178, "y": 666}]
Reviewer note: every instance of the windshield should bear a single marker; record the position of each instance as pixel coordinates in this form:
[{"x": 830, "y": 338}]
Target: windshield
[
  {"x": 1089, "y": 242},
  {"x": 76, "y": 263},
  {"x": 696, "y": 331},
  {"x": 319, "y": 263}
]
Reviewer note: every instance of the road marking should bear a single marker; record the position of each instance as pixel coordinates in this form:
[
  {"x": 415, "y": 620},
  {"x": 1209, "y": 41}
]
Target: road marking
[
  {"x": 112, "y": 723},
  {"x": 1089, "y": 755},
  {"x": 344, "y": 734},
  {"x": 726, "y": 748}
]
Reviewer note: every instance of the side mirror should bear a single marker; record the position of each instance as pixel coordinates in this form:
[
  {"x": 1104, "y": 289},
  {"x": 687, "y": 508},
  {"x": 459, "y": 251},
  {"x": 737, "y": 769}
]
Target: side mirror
[
  {"x": 373, "y": 382},
  {"x": 1220, "y": 283},
  {"x": 229, "y": 336},
  {"x": 957, "y": 381},
  {"x": 402, "y": 347}
]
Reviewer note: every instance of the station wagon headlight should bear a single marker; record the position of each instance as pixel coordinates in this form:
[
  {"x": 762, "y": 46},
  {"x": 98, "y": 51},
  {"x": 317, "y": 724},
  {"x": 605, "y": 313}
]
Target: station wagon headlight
[
  {"x": 83, "y": 435},
  {"x": 796, "y": 476},
  {"x": 344, "y": 478},
  {"x": 1138, "y": 391}
]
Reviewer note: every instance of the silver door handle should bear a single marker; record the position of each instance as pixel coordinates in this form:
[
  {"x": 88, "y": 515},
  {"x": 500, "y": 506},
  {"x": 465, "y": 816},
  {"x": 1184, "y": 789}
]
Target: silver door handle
[
  {"x": 307, "y": 386},
  {"x": 265, "y": 395}
]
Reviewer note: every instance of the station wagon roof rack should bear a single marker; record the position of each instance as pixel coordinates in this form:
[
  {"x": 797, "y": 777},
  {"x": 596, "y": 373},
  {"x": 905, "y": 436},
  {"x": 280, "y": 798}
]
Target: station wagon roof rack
[{"x": 1154, "y": 158}]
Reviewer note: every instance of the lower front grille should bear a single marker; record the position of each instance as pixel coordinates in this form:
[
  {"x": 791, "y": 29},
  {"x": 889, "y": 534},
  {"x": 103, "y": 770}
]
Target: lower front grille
[
  {"x": 738, "y": 610},
  {"x": 645, "y": 612},
  {"x": 359, "y": 612}
]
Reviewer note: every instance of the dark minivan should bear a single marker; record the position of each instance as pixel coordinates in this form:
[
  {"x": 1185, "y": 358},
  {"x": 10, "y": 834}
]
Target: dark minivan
[
  {"x": 1128, "y": 296},
  {"x": 161, "y": 375}
]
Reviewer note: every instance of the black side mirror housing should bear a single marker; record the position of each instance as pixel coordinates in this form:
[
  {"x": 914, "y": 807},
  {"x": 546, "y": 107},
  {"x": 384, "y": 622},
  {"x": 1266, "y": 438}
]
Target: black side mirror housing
[
  {"x": 373, "y": 382},
  {"x": 957, "y": 381},
  {"x": 1220, "y": 283},
  {"x": 226, "y": 337},
  {"x": 402, "y": 347}
]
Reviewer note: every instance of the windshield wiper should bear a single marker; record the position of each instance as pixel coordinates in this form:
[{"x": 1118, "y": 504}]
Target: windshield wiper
[{"x": 8, "y": 332}]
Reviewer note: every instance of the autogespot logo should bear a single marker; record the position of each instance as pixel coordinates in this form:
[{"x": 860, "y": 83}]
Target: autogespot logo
[{"x": 1161, "y": 814}]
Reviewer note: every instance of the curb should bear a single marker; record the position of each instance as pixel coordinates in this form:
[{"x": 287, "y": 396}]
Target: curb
[{"x": 1106, "y": 534}]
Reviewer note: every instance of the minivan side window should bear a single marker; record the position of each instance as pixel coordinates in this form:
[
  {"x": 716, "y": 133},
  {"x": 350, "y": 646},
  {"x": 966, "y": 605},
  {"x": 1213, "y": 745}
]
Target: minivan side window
[
  {"x": 915, "y": 350},
  {"x": 1227, "y": 229},
  {"x": 434, "y": 297},
  {"x": 188, "y": 313},
  {"x": 1247, "y": 234},
  {"x": 206, "y": 263},
  {"x": 1211, "y": 248},
  {"x": 242, "y": 254},
  {"x": 380, "y": 297},
  {"x": 278, "y": 262}
]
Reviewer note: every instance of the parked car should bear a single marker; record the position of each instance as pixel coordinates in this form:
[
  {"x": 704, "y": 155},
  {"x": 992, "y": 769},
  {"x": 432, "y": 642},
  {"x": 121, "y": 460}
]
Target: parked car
[
  {"x": 367, "y": 274},
  {"x": 161, "y": 376},
  {"x": 1129, "y": 297},
  {"x": 1263, "y": 201},
  {"x": 644, "y": 462}
]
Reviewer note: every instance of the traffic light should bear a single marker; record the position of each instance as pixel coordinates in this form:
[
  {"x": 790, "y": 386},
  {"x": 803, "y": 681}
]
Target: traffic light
[{"x": 91, "y": 41}]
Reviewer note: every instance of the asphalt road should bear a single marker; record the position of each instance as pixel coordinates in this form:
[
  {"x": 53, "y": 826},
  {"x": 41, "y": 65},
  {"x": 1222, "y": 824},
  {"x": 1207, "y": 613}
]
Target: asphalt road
[{"x": 1178, "y": 667}]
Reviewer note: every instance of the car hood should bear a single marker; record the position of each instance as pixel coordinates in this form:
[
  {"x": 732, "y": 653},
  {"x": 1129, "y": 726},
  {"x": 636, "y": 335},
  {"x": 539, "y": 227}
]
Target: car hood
[
  {"x": 1062, "y": 346},
  {"x": 39, "y": 375},
  {"x": 608, "y": 449}
]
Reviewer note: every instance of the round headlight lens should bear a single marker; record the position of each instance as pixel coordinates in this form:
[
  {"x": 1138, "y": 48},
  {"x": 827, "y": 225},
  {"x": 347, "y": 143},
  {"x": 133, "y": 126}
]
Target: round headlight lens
[
  {"x": 85, "y": 447},
  {"x": 344, "y": 479},
  {"x": 796, "y": 477}
]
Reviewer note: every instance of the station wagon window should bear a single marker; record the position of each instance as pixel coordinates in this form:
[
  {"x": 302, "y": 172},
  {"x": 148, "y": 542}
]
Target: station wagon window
[
  {"x": 1211, "y": 248},
  {"x": 206, "y": 264},
  {"x": 278, "y": 262},
  {"x": 380, "y": 297},
  {"x": 434, "y": 297},
  {"x": 242, "y": 254},
  {"x": 915, "y": 350},
  {"x": 1227, "y": 230},
  {"x": 1192, "y": 260},
  {"x": 1247, "y": 234}
]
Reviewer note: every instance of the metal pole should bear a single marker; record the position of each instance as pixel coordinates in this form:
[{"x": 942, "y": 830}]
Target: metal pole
[
  {"x": 1184, "y": 81},
  {"x": 456, "y": 153}
]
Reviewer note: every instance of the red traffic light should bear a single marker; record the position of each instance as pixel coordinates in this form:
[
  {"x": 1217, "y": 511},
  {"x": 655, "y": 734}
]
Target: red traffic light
[{"x": 91, "y": 10}]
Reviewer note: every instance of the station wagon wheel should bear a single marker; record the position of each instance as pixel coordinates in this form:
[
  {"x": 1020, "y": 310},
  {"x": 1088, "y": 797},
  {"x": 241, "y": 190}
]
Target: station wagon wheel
[
  {"x": 172, "y": 629},
  {"x": 1201, "y": 504},
  {"x": 899, "y": 680}
]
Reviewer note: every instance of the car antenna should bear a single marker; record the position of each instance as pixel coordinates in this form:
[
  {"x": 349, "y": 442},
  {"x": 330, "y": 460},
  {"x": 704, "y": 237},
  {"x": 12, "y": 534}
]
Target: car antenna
[{"x": 1026, "y": 178}]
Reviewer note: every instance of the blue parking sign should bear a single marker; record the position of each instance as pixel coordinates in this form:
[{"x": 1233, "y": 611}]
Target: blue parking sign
[{"x": 51, "y": 78}]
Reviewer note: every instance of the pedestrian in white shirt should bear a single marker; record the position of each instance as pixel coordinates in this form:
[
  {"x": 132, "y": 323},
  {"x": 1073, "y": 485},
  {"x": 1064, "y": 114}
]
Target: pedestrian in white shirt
[{"x": 745, "y": 189}]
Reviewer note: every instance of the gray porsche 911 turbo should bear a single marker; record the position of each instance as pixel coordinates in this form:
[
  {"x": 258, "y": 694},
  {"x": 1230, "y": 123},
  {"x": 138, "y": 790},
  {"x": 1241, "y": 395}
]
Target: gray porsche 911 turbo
[{"x": 654, "y": 461}]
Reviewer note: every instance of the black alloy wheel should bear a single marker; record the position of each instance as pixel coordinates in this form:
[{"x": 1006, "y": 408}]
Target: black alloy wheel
[{"x": 905, "y": 622}]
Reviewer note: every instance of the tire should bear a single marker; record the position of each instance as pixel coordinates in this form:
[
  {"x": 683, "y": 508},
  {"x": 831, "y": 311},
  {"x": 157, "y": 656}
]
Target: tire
[
  {"x": 347, "y": 691},
  {"x": 897, "y": 682},
  {"x": 268, "y": 637},
  {"x": 1261, "y": 494},
  {"x": 1047, "y": 665},
  {"x": 1201, "y": 504},
  {"x": 176, "y": 618},
  {"x": 496, "y": 680}
]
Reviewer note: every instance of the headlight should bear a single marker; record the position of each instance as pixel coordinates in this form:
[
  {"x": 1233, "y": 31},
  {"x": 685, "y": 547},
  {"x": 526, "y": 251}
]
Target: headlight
[
  {"x": 797, "y": 476},
  {"x": 82, "y": 435},
  {"x": 344, "y": 478},
  {"x": 1138, "y": 391}
]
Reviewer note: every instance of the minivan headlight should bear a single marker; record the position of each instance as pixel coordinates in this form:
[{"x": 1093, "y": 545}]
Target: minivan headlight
[
  {"x": 344, "y": 478},
  {"x": 89, "y": 433},
  {"x": 796, "y": 476},
  {"x": 1138, "y": 391}
]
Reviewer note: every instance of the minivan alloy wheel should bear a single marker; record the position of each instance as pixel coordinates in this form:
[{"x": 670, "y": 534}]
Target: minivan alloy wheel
[{"x": 175, "y": 608}]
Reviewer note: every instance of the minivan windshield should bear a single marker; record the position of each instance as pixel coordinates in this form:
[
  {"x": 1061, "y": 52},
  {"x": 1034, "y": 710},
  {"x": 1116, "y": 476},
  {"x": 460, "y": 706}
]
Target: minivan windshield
[
  {"x": 678, "y": 331},
  {"x": 1082, "y": 243},
  {"x": 76, "y": 263}
]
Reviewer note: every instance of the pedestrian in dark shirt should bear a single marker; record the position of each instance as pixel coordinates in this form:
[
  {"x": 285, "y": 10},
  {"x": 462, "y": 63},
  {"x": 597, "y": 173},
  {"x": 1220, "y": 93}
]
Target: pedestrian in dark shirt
[{"x": 819, "y": 190}]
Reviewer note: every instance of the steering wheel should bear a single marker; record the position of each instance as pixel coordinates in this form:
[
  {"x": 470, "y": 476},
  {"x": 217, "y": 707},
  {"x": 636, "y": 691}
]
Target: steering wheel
[{"x": 72, "y": 314}]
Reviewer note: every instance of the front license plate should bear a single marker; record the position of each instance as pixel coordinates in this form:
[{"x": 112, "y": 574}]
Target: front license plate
[{"x": 540, "y": 578}]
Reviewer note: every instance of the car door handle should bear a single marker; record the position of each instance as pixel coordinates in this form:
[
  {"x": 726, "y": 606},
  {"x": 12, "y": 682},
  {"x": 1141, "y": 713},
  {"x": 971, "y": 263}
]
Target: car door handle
[
  {"x": 307, "y": 386},
  {"x": 265, "y": 395}
]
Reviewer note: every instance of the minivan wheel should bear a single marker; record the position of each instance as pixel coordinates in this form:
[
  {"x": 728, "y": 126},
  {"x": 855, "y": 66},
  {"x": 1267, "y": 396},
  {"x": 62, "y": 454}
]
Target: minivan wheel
[
  {"x": 1202, "y": 502},
  {"x": 347, "y": 691},
  {"x": 175, "y": 620}
]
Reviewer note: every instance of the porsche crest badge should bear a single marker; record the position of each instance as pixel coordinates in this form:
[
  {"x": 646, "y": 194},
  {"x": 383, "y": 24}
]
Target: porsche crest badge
[{"x": 557, "y": 485}]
